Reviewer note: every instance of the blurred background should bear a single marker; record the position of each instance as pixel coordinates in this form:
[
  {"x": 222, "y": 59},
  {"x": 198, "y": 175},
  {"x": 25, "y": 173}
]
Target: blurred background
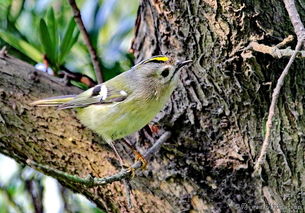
[{"x": 44, "y": 34}]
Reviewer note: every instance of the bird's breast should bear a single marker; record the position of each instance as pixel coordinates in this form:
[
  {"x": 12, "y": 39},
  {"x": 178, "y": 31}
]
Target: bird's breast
[{"x": 114, "y": 121}]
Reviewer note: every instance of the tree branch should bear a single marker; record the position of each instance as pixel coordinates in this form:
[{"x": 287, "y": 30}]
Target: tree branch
[
  {"x": 274, "y": 51},
  {"x": 275, "y": 96},
  {"x": 92, "y": 51},
  {"x": 92, "y": 181},
  {"x": 295, "y": 18}
]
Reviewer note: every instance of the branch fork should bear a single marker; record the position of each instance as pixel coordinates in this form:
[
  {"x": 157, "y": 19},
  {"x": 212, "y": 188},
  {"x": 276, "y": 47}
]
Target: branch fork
[{"x": 300, "y": 32}]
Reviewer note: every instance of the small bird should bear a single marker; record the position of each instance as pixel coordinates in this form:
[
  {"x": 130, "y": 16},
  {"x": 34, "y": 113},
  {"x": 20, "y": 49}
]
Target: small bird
[{"x": 125, "y": 103}]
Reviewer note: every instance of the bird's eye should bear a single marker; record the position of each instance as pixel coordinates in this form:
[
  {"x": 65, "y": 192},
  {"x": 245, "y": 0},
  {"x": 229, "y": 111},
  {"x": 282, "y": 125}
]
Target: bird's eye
[{"x": 165, "y": 73}]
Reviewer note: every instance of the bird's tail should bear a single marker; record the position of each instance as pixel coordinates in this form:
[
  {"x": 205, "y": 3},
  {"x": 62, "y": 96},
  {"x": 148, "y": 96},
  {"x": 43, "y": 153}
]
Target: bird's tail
[{"x": 53, "y": 101}]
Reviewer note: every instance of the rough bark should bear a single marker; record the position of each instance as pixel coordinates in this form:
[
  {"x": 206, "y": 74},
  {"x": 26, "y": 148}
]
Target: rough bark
[
  {"x": 216, "y": 115},
  {"x": 219, "y": 113}
]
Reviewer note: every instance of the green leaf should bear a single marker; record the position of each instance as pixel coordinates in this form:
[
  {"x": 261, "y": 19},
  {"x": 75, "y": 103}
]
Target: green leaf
[
  {"x": 79, "y": 84},
  {"x": 21, "y": 45},
  {"x": 68, "y": 40},
  {"x": 74, "y": 39},
  {"x": 17, "y": 10},
  {"x": 52, "y": 26},
  {"x": 46, "y": 41}
]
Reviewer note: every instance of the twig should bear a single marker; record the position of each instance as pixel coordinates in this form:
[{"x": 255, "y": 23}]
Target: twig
[
  {"x": 3, "y": 52},
  {"x": 285, "y": 41},
  {"x": 35, "y": 193},
  {"x": 91, "y": 181},
  {"x": 127, "y": 192},
  {"x": 65, "y": 195},
  {"x": 295, "y": 19},
  {"x": 274, "y": 50},
  {"x": 275, "y": 95},
  {"x": 92, "y": 51}
]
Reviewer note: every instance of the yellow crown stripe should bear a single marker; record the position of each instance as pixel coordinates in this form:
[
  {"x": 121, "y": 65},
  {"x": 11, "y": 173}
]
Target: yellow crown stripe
[
  {"x": 159, "y": 58},
  {"x": 156, "y": 59}
]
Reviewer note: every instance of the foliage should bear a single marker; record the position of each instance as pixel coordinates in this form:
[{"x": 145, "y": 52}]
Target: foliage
[
  {"x": 22, "y": 45},
  {"x": 56, "y": 48},
  {"x": 53, "y": 47},
  {"x": 43, "y": 32},
  {"x": 110, "y": 28}
]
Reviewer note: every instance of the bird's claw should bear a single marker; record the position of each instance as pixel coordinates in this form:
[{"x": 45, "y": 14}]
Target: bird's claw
[
  {"x": 141, "y": 158},
  {"x": 132, "y": 172}
]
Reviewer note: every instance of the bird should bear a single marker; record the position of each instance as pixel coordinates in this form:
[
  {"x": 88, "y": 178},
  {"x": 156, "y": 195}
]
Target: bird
[{"x": 126, "y": 103}]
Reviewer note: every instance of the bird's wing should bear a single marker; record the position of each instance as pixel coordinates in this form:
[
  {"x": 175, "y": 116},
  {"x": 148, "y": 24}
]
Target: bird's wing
[{"x": 100, "y": 94}]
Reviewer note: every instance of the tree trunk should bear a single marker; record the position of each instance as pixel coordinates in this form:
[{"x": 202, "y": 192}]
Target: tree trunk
[
  {"x": 219, "y": 113},
  {"x": 216, "y": 116}
]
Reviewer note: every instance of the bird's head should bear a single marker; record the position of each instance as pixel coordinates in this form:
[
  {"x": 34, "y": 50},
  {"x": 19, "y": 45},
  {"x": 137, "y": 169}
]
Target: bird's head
[{"x": 160, "y": 72}]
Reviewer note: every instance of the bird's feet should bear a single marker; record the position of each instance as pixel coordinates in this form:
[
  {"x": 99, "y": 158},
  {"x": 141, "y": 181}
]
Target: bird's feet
[
  {"x": 141, "y": 158},
  {"x": 137, "y": 154},
  {"x": 132, "y": 171}
]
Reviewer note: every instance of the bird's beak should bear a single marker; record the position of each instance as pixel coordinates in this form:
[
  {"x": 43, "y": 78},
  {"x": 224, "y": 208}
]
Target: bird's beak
[{"x": 181, "y": 64}]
